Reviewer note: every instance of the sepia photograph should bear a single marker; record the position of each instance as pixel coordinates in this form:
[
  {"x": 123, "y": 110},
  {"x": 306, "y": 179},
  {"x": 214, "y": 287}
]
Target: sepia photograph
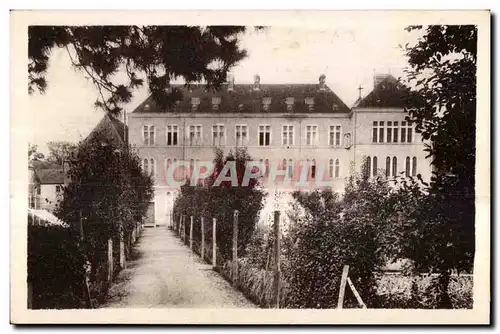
[{"x": 272, "y": 164}]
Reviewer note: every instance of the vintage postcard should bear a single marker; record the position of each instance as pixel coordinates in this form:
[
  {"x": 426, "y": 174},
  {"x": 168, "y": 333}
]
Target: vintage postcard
[{"x": 250, "y": 167}]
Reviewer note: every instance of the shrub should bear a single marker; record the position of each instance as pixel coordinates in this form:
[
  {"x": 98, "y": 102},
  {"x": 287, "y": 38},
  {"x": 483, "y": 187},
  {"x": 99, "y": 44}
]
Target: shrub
[
  {"x": 332, "y": 233},
  {"x": 56, "y": 267},
  {"x": 107, "y": 195},
  {"x": 221, "y": 201}
]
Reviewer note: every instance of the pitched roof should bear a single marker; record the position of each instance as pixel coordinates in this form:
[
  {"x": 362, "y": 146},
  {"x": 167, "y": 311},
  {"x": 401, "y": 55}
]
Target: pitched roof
[
  {"x": 387, "y": 93},
  {"x": 112, "y": 128},
  {"x": 50, "y": 176},
  {"x": 243, "y": 98},
  {"x": 39, "y": 164}
]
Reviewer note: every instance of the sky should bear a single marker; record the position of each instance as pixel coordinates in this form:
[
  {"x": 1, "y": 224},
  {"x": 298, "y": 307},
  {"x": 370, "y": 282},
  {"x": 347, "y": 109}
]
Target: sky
[{"x": 348, "y": 56}]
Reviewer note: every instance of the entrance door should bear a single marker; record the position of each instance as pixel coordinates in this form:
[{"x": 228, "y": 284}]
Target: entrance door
[{"x": 149, "y": 221}]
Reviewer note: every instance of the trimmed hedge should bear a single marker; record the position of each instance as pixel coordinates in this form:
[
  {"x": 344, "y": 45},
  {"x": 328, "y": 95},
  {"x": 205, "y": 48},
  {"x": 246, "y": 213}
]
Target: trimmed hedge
[{"x": 56, "y": 268}]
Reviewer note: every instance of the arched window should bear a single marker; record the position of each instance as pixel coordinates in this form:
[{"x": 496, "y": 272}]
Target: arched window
[
  {"x": 414, "y": 167},
  {"x": 387, "y": 166},
  {"x": 266, "y": 163},
  {"x": 152, "y": 166},
  {"x": 290, "y": 168},
  {"x": 145, "y": 166},
  {"x": 368, "y": 166},
  {"x": 337, "y": 168},
  {"x": 313, "y": 169},
  {"x": 394, "y": 166},
  {"x": 375, "y": 166},
  {"x": 330, "y": 168},
  {"x": 407, "y": 167}
]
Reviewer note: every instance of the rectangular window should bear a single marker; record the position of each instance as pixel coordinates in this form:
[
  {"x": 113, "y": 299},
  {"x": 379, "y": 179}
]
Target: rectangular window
[
  {"x": 148, "y": 134},
  {"x": 241, "y": 135},
  {"x": 403, "y": 132},
  {"x": 264, "y": 135},
  {"x": 381, "y": 132},
  {"x": 389, "y": 131},
  {"x": 289, "y": 103},
  {"x": 287, "y": 135},
  {"x": 290, "y": 168},
  {"x": 216, "y": 103},
  {"x": 375, "y": 132},
  {"x": 309, "y": 101},
  {"x": 172, "y": 135},
  {"x": 311, "y": 135},
  {"x": 266, "y": 103},
  {"x": 409, "y": 132},
  {"x": 58, "y": 189},
  {"x": 195, "y": 102},
  {"x": 395, "y": 131},
  {"x": 335, "y": 135},
  {"x": 195, "y": 138},
  {"x": 218, "y": 135}
]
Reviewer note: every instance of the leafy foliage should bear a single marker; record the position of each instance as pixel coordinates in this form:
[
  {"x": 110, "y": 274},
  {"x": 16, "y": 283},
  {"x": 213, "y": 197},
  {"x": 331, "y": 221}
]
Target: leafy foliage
[
  {"x": 157, "y": 54},
  {"x": 219, "y": 201},
  {"x": 335, "y": 232},
  {"x": 109, "y": 194},
  {"x": 60, "y": 151},
  {"x": 55, "y": 267},
  {"x": 33, "y": 153},
  {"x": 443, "y": 106}
]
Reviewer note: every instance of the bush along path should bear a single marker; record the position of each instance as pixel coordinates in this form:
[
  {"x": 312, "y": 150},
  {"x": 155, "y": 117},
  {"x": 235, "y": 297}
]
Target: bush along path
[{"x": 166, "y": 274}]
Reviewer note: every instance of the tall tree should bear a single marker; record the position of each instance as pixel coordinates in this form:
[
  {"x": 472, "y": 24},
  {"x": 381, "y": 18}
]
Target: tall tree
[
  {"x": 158, "y": 54},
  {"x": 60, "y": 151},
  {"x": 33, "y": 153},
  {"x": 443, "y": 72}
]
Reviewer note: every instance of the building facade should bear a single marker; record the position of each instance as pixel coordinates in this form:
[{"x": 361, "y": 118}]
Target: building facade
[{"x": 303, "y": 130}]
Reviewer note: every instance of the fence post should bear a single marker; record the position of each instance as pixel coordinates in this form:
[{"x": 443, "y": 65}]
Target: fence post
[
  {"x": 202, "y": 239},
  {"x": 235, "y": 247},
  {"x": 123, "y": 263},
  {"x": 178, "y": 226},
  {"x": 191, "y": 234},
  {"x": 214, "y": 243},
  {"x": 110, "y": 259},
  {"x": 277, "y": 251},
  {"x": 181, "y": 229},
  {"x": 343, "y": 282}
]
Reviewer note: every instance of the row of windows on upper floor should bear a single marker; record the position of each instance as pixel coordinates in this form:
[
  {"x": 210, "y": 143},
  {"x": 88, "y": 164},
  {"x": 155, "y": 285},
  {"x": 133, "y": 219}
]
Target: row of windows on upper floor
[
  {"x": 391, "y": 166},
  {"x": 392, "y": 132},
  {"x": 194, "y": 135},
  {"x": 292, "y": 168},
  {"x": 266, "y": 103}
]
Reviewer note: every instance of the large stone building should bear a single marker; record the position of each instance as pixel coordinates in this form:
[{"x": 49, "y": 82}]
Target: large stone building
[{"x": 287, "y": 126}]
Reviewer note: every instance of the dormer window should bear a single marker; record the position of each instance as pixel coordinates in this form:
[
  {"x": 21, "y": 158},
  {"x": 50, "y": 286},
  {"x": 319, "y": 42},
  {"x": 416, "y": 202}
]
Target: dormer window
[
  {"x": 195, "y": 102},
  {"x": 240, "y": 107},
  {"x": 309, "y": 103},
  {"x": 335, "y": 107},
  {"x": 216, "y": 103},
  {"x": 289, "y": 103},
  {"x": 266, "y": 103}
]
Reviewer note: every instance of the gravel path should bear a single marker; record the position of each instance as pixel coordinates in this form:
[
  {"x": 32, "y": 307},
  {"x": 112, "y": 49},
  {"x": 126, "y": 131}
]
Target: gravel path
[{"x": 164, "y": 273}]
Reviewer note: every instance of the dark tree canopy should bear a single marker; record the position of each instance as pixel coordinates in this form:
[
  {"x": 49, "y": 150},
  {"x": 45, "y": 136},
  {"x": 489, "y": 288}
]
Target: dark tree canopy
[
  {"x": 443, "y": 69},
  {"x": 158, "y": 54}
]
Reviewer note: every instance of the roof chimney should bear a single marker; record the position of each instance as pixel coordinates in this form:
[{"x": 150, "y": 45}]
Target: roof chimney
[
  {"x": 256, "y": 82},
  {"x": 322, "y": 85},
  {"x": 230, "y": 82}
]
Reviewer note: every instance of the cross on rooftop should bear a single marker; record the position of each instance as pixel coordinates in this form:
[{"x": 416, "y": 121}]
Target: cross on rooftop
[{"x": 360, "y": 88}]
